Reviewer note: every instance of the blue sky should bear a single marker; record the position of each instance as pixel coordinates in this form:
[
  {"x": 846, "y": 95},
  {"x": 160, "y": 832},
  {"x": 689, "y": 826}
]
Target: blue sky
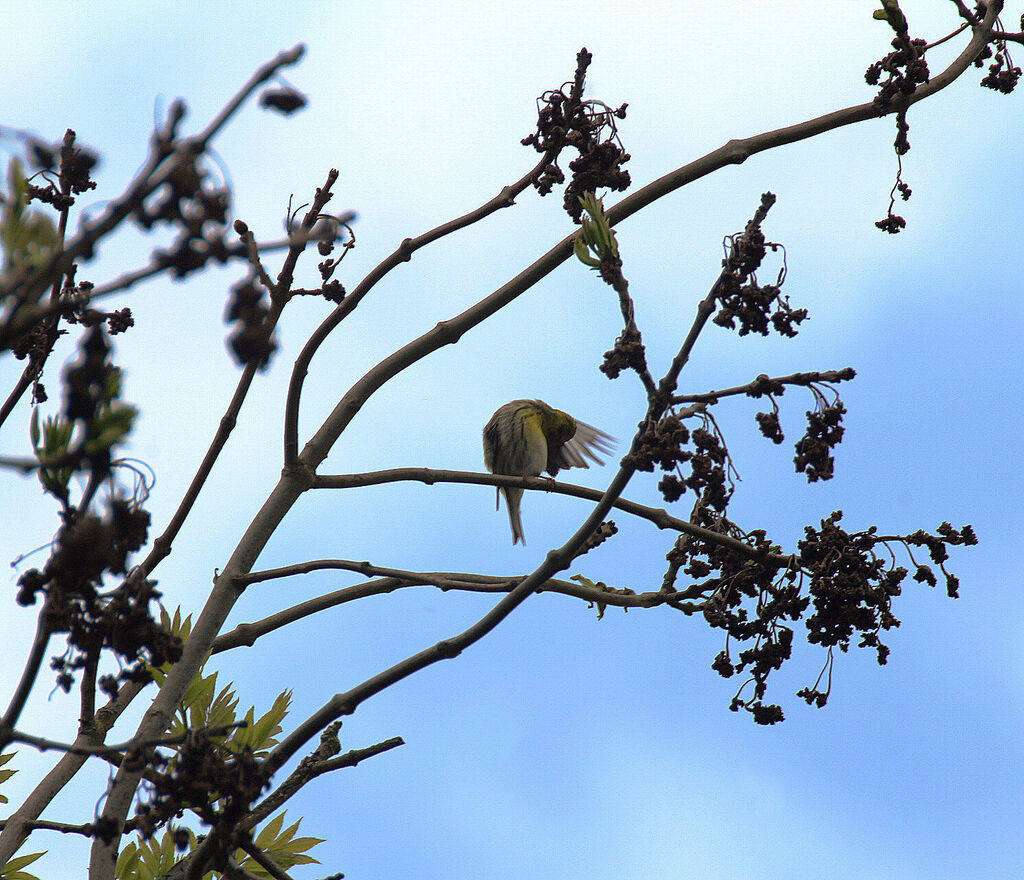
[{"x": 563, "y": 746}]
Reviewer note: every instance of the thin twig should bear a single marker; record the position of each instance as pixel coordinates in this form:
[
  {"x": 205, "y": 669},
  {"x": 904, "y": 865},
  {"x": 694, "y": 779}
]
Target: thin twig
[
  {"x": 118, "y": 749},
  {"x": 659, "y": 516},
  {"x": 310, "y": 768},
  {"x": 246, "y": 634},
  {"x": 160, "y": 166},
  {"x": 792, "y": 379}
]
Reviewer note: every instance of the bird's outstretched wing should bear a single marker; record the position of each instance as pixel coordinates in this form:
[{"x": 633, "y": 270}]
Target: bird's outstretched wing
[{"x": 587, "y": 442}]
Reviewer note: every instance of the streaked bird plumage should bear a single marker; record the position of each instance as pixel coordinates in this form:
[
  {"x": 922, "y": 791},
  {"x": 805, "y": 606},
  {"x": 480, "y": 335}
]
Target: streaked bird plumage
[{"x": 528, "y": 437}]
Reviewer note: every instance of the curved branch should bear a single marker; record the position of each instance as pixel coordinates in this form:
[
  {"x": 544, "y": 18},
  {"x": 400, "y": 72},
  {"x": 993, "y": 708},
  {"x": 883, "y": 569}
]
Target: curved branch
[
  {"x": 246, "y": 634},
  {"x": 28, "y": 678}
]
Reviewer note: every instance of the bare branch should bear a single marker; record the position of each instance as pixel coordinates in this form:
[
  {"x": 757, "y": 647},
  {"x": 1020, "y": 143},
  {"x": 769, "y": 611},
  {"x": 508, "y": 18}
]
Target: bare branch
[
  {"x": 658, "y": 516},
  {"x": 114, "y": 751},
  {"x": 765, "y": 381},
  {"x": 283, "y": 59},
  {"x": 323, "y": 760},
  {"x": 737, "y": 151},
  {"x": 246, "y": 634},
  {"x": 403, "y": 253}
]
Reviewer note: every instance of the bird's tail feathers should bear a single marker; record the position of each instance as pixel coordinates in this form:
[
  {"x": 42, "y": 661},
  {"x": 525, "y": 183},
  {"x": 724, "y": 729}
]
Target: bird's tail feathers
[{"x": 512, "y": 498}]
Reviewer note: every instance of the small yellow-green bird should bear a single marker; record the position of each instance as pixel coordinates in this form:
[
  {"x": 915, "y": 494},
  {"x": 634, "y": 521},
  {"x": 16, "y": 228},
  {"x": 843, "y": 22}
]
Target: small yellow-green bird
[{"x": 527, "y": 437}]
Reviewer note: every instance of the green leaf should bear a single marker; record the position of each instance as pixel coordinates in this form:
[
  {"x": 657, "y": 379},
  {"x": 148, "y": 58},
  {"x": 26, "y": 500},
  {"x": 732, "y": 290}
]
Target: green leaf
[
  {"x": 260, "y": 735},
  {"x": 52, "y": 441},
  {"x": 12, "y": 870},
  {"x": 176, "y": 627},
  {"x": 283, "y": 847},
  {"x": 891, "y": 13},
  {"x": 268, "y": 835},
  {"x": 149, "y": 859},
  {"x": 109, "y": 425},
  {"x": 127, "y": 860},
  {"x": 595, "y": 241},
  {"x": 586, "y": 582},
  {"x": 583, "y": 254},
  {"x": 27, "y": 237},
  {"x": 223, "y": 710},
  {"x": 6, "y": 774}
]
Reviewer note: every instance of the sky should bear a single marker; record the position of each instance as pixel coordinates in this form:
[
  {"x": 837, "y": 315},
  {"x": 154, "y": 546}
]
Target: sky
[{"x": 563, "y": 745}]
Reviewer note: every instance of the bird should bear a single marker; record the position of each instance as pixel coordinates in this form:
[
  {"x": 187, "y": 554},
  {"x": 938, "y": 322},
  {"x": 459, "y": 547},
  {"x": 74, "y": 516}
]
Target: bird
[{"x": 527, "y": 437}]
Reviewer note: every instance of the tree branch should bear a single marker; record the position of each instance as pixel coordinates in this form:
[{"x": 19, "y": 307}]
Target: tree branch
[
  {"x": 738, "y": 150},
  {"x": 658, "y": 516},
  {"x": 28, "y": 677},
  {"x": 18, "y": 824},
  {"x": 323, "y": 760},
  {"x": 246, "y": 634},
  {"x": 86, "y": 830},
  {"x": 158, "y": 169},
  {"x": 403, "y": 253},
  {"x": 764, "y": 381},
  {"x": 295, "y": 479}
]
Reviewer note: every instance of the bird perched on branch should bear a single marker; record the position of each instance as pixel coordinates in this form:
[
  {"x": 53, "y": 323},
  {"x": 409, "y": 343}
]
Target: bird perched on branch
[{"x": 527, "y": 437}]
